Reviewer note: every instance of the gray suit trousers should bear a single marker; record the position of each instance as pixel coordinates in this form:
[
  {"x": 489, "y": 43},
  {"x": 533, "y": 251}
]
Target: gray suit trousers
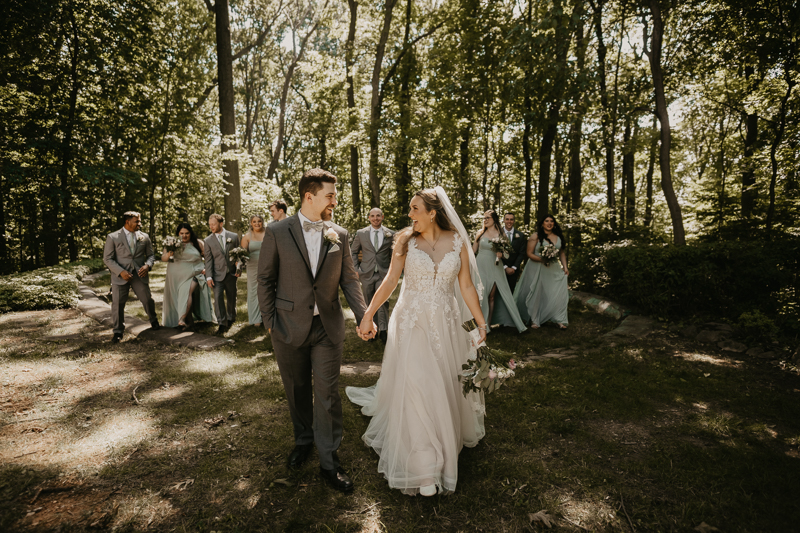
[
  {"x": 370, "y": 287},
  {"x": 119, "y": 297},
  {"x": 315, "y": 404},
  {"x": 226, "y": 314}
]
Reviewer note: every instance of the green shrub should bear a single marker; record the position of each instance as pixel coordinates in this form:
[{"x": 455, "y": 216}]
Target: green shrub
[
  {"x": 757, "y": 326},
  {"x": 45, "y": 288},
  {"x": 723, "y": 279}
]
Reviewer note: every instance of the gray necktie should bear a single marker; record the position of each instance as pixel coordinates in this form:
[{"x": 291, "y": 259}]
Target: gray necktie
[
  {"x": 221, "y": 242},
  {"x": 130, "y": 242},
  {"x": 312, "y": 226},
  {"x": 375, "y": 244}
]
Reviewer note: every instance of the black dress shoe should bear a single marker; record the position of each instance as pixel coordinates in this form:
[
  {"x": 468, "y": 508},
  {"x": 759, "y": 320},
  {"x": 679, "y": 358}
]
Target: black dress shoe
[
  {"x": 383, "y": 335},
  {"x": 299, "y": 455},
  {"x": 221, "y": 330},
  {"x": 154, "y": 325},
  {"x": 337, "y": 479},
  {"x": 116, "y": 338}
]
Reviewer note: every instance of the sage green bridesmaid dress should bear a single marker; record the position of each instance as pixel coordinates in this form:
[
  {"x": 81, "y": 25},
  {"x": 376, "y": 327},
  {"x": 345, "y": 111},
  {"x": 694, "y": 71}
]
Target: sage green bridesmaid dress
[
  {"x": 542, "y": 293},
  {"x": 253, "y": 310},
  {"x": 187, "y": 265},
  {"x": 505, "y": 309}
]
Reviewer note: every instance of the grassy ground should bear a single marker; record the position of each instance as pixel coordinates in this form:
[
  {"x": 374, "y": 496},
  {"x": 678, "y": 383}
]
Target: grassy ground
[{"x": 651, "y": 435}]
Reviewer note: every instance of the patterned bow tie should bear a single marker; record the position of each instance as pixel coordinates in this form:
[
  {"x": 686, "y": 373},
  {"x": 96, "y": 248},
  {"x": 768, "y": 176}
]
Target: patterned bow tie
[{"x": 312, "y": 226}]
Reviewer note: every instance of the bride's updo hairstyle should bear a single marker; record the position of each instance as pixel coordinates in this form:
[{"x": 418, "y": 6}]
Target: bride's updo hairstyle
[{"x": 432, "y": 203}]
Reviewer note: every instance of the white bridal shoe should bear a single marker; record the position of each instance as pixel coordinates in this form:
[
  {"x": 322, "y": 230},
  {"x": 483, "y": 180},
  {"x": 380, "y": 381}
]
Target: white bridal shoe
[{"x": 428, "y": 490}]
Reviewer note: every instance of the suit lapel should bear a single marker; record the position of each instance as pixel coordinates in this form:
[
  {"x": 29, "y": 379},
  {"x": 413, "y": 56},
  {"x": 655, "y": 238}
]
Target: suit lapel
[
  {"x": 297, "y": 235},
  {"x": 323, "y": 249},
  {"x": 368, "y": 235}
]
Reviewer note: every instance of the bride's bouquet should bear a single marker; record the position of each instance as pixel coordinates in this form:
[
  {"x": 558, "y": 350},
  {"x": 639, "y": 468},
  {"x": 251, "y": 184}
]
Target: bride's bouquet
[
  {"x": 548, "y": 254},
  {"x": 489, "y": 369},
  {"x": 500, "y": 244},
  {"x": 240, "y": 255},
  {"x": 171, "y": 244}
]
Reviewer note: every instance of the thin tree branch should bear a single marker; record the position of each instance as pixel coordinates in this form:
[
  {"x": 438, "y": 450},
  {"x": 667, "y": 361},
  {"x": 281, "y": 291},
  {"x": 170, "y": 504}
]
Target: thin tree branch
[
  {"x": 261, "y": 36},
  {"x": 209, "y": 5},
  {"x": 405, "y": 49}
]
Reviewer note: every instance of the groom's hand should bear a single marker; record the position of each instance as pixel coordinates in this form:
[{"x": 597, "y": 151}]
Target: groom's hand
[{"x": 368, "y": 330}]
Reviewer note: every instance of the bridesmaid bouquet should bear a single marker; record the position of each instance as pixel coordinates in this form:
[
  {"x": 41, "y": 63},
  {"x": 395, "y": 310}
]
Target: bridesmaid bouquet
[
  {"x": 501, "y": 244},
  {"x": 171, "y": 244},
  {"x": 489, "y": 369},
  {"x": 548, "y": 254},
  {"x": 239, "y": 255}
]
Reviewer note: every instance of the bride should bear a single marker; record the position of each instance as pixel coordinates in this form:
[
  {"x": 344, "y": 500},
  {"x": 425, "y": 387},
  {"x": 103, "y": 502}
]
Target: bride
[{"x": 420, "y": 417}]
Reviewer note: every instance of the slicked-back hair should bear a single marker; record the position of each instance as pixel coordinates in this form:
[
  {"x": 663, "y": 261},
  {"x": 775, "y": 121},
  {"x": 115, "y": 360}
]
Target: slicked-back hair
[
  {"x": 127, "y": 215},
  {"x": 312, "y": 182},
  {"x": 280, "y": 205},
  {"x": 219, "y": 218},
  {"x": 512, "y": 214}
]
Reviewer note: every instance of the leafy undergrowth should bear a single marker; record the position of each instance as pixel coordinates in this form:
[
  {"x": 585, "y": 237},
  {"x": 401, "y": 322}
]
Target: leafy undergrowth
[
  {"x": 652, "y": 435},
  {"x": 45, "y": 288}
]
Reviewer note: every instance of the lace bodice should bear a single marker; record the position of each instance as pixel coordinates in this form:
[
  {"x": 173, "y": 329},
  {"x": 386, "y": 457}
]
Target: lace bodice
[{"x": 422, "y": 274}]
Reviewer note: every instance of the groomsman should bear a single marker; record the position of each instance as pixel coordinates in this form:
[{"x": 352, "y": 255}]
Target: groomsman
[
  {"x": 129, "y": 256},
  {"x": 221, "y": 273},
  {"x": 375, "y": 244},
  {"x": 278, "y": 210},
  {"x": 519, "y": 242}
]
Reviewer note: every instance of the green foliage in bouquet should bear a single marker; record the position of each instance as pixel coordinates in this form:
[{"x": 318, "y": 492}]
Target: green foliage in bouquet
[
  {"x": 489, "y": 370},
  {"x": 46, "y": 288}
]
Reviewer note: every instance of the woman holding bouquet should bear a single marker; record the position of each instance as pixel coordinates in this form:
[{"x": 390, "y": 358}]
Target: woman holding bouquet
[
  {"x": 420, "y": 417},
  {"x": 186, "y": 295},
  {"x": 252, "y": 243},
  {"x": 542, "y": 294},
  {"x": 488, "y": 248}
]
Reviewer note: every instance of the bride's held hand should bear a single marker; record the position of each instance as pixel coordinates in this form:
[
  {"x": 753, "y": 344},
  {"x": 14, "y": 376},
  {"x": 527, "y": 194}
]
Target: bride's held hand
[{"x": 367, "y": 329}]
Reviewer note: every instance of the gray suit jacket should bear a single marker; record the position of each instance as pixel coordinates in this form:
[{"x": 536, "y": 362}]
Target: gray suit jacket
[
  {"x": 287, "y": 291},
  {"x": 369, "y": 255},
  {"x": 117, "y": 255},
  {"x": 218, "y": 261}
]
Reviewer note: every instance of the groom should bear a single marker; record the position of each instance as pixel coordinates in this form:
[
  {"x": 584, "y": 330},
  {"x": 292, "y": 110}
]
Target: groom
[
  {"x": 129, "y": 256},
  {"x": 304, "y": 261}
]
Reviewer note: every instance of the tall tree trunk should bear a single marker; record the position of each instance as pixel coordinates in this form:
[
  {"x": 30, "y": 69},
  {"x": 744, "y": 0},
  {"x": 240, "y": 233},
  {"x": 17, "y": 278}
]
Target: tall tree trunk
[
  {"x": 287, "y": 83},
  {"x": 776, "y": 142},
  {"x": 375, "y": 105},
  {"x": 749, "y": 190},
  {"x": 352, "y": 113},
  {"x": 403, "y": 173},
  {"x": 720, "y": 170},
  {"x": 607, "y": 118},
  {"x": 557, "y": 183},
  {"x": 651, "y": 163},
  {"x": 68, "y": 225},
  {"x": 575, "y": 172},
  {"x": 628, "y": 208},
  {"x": 227, "y": 116},
  {"x": 5, "y": 255},
  {"x": 545, "y": 157},
  {"x": 654, "y": 55},
  {"x": 526, "y": 156}
]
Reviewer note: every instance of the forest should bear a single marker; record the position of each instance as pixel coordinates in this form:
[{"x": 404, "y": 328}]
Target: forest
[{"x": 641, "y": 125}]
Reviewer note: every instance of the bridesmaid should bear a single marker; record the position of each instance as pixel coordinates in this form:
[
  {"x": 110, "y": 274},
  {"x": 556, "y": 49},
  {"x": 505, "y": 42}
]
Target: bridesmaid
[
  {"x": 542, "y": 294},
  {"x": 252, "y": 243},
  {"x": 502, "y": 310},
  {"x": 186, "y": 294}
]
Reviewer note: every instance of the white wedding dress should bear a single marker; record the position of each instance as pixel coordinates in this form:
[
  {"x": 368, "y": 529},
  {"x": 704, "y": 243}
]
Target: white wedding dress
[{"x": 420, "y": 417}]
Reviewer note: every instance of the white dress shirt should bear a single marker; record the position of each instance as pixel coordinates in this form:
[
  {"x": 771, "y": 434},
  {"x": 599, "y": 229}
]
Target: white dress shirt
[
  {"x": 313, "y": 241},
  {"x": 372, "y": 232}
]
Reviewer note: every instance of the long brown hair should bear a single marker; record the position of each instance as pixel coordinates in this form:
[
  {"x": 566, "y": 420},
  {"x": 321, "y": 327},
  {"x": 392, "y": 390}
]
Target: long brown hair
[{"x": 432, "y": 203}]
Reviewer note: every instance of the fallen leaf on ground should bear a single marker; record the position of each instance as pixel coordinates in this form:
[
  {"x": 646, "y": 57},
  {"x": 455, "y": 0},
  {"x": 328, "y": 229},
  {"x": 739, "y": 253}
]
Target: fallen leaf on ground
[
  {"x": 213, "y": 422},
  {"x": 542, "y": 517},
  {"x": 283, "y": 482},
  {"x": 705, "y": 528},
  {"x": 183, "y": 484}
]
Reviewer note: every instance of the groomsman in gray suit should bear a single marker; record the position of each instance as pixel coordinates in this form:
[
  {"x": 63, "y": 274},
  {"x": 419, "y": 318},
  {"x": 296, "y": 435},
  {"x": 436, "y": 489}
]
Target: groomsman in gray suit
[
  {"x": 375, "y": 244},
  {"x": 221, "y": 272},
  {"x": 129, "y": 256},
  {"x": 304, "y": 260}
]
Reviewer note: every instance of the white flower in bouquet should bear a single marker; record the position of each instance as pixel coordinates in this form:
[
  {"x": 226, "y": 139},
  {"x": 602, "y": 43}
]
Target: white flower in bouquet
[
  {"x": 501, "y": 245},
  {"x": 488, "y": 370},
  {"x": 548, "y": 253},
  {"x": 171, "y": 244}
]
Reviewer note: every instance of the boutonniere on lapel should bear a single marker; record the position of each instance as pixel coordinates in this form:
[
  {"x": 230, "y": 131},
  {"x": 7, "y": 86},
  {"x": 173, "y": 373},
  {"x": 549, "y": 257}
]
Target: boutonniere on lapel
[
  {"x": 228, "y": 240},
  {"x": 332, "y": 238},
  {"x": 139, "y": 238},
  {"x": 517, "y": 235},
  {"x": 387, "y": 233}
]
